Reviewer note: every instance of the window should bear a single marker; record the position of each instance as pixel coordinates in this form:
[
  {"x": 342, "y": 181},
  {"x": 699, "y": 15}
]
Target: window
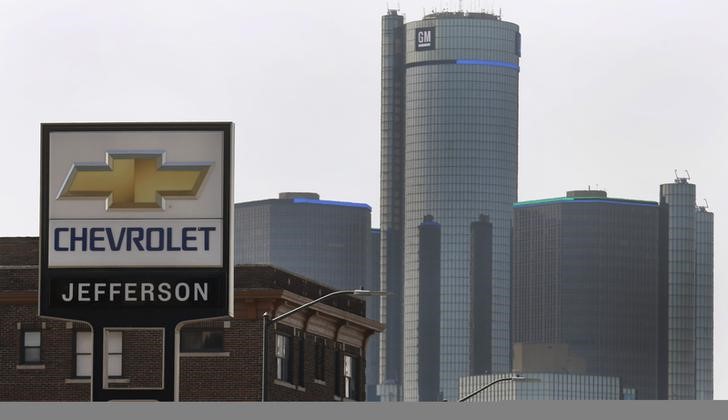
[
  {"x": 201, "y": 340},
  {"x": 320, "y": 355},
  {"x": 283, "y": 358},
  {"x": 84, "y": 360},
  {"x": 114, "y": 352},
  {"x": 301, "y": 360},
  {"x": 337, "y": 372},
  {"x": 30, "y": 353},
  {"x": 350, "y": 377}
]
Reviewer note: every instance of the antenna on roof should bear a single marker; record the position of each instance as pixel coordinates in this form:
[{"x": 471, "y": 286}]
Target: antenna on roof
[
  {"x": 706, "y": 202},
  {"x": 688, "y": 174}
]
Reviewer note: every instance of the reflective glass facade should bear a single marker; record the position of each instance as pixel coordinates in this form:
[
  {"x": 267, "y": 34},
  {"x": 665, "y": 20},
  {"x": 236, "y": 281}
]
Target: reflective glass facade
[
  {"x": 585, "y": 274},
  {"x": 704, "y": 304},
  {"x": 677, "y": 202},
  {"x": 392, "y": 206},
  {"x": 326, "y": 241},
  {"x": 544, "y": 386},
  {"x": 460, "y": 143}
]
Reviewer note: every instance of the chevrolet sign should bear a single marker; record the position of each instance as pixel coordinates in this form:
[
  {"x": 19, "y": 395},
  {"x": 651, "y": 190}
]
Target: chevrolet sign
[{"x": 136, "y": 222}]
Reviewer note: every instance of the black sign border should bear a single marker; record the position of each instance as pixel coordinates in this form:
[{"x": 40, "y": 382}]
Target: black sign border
[{"x": 135, "y": 317}]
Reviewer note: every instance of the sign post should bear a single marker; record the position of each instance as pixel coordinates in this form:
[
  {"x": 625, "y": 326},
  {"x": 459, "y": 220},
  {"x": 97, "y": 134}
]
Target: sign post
[{"x": 136, "y": 232}]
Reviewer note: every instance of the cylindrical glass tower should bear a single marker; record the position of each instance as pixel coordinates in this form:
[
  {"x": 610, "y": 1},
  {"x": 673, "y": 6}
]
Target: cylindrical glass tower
[
  {"x": 461, "y": 161},
  {"x": 678, "y": 235}
]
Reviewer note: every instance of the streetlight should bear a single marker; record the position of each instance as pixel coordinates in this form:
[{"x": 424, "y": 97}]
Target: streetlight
[
  {"x": 510, "y": 378},
  {"x": 267, "y": 322}
]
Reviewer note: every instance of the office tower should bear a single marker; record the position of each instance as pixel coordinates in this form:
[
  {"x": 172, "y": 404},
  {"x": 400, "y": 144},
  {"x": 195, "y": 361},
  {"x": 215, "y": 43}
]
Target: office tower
[
  {"x": 704, "y": 304},
  {"x": 585, "y": 277},
  {"x": 686, "y": 276},
  {"x": 449, "y": 131},
  {"x": 327, "y": 241}
]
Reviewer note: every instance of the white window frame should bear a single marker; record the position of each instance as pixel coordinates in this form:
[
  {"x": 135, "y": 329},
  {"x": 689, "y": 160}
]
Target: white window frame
[
  {"x": 283, "y": 356},
  {"x": 83, "y": 349}
]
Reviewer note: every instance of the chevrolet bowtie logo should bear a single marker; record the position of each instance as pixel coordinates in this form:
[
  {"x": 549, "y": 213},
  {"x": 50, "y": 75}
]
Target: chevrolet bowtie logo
[{"x": 134, "y": 180}]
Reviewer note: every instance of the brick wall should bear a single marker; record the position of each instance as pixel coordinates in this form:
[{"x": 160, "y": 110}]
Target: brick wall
[
  {"x": 49, "y": 383},
  {"x": 232, "y": 375},
  {"x": 142, "y": 357},
  {"x": 19, "y": 251},
  {"x": 228, "y": 378}
]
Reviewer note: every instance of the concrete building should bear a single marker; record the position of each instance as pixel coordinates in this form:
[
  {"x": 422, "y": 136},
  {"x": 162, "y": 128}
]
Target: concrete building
[
  {"x": 316, "y": 355},
  {"x": 585, "y": 276},
  {"x": 449, "y": 132}
]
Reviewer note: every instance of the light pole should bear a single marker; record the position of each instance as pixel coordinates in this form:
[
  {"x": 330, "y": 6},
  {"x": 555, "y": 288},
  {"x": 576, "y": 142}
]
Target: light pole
[
  {"x": 267, "y": 322},
  {"x": 510, "y": 378}
]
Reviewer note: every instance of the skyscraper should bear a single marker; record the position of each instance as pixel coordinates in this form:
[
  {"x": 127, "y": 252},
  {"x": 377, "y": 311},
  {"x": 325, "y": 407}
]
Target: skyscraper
[
  {"x": 327, "y": 241},
  {"x": 625, "y": 285},
  {"x": 686, "y": 278},
  {"x": 450, "y": 151},
  {"x": 585, "y": 277},
  {"x": 704, "y": 304}
]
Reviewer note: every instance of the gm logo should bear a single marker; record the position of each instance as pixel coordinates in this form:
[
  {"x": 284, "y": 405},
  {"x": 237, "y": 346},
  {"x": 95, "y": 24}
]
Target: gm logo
[
  {"x": 134, "y": 180},
  {"x": 424, "y": 39}
]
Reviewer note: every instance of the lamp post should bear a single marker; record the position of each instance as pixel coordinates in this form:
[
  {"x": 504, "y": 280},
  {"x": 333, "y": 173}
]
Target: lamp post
[
  {"x": 267, "y": 322},
  {"x": 510, "y": 378}
]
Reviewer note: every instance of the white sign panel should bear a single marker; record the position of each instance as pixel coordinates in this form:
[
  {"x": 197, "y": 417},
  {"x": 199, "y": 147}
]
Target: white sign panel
[{"x": 135, "y": 199}]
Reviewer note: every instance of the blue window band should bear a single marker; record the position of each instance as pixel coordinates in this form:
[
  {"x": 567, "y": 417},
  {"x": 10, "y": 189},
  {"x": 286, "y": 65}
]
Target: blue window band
[
  {"x": 568, "y": 200},
  {"x": 488, "y": 63},
  {"x": 331, "y": 203}
]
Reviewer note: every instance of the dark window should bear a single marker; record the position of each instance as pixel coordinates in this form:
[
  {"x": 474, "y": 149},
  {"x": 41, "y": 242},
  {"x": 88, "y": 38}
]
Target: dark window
[
  {"x": 30, "y": 353},
  {"x": 201, "y": 340},
  {"x": 337, "y": 372},
  {"x": 320, "y": 360},
  {"x": 301, "y": 359},
  {"x": 82, "y": 350},
  {"x": 283, "y": 358}
]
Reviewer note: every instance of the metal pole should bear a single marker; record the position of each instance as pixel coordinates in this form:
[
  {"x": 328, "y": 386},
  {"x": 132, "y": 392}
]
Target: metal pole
[
  {"x": 467, "y": 397},
  {"x": 267, "y": 321},
  {"x": 264, "y": 361}
]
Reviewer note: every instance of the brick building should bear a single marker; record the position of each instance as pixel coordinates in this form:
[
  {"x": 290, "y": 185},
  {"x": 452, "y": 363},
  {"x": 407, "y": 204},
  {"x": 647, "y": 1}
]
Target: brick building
[{"x": 315, "y": 355}]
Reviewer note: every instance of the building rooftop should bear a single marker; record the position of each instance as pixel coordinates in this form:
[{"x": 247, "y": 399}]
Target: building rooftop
[
  {"x": 304, "y": 198},
  {"x": 582, "y": 197},
  {"x": 462, "y": 14},
  {"x": 263, "y": 276}
]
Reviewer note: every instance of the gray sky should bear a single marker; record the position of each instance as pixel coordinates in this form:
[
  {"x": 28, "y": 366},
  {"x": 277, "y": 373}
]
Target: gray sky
[{"x": 616, "y": 93}]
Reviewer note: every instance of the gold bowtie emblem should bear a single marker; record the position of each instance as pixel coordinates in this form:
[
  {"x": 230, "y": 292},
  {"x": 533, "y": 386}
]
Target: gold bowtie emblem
[{"x": 134, "y": 180}]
